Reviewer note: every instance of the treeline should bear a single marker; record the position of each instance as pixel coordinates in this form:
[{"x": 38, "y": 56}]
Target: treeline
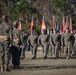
[{"x": 25, "y": 9}]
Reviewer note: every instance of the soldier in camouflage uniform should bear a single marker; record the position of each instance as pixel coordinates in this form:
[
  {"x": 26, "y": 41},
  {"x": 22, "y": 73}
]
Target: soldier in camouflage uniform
[
  {"x": 50, "y": 44},
  {"x": 24, "y": 44},
  {"x": 4, "y": 44},
  {"x": 33, "y": 42},
  {"x": 72, "y": 44},
  {"x": 56, "y": 42},
  {"x": 43, "y": 40},
  {"x": 67, "y": 42},
  {"x": 62, "y": 43},
  {"x": 16, "y": 47}
]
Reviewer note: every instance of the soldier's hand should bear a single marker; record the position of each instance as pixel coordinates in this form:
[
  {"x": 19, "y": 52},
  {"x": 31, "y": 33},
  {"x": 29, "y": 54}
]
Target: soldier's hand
[
  {"x": 21, "y": 46},
  {"x": 10, "y": 45}
]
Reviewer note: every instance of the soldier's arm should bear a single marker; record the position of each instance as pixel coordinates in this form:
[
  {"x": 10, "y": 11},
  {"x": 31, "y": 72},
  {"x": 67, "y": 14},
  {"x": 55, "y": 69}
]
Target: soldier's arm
[
  {"x": 20, "y": 40},
  {"x": 62, "y": 39},
  {"x": 49, "y": 39},
  {"x": 28, "y": 40},
  {"x": 52, "y": 41},
  {"x": 39, "y": 40},
  {"x": 10, "y": 36},
  {"x": 72, "y": 39}
]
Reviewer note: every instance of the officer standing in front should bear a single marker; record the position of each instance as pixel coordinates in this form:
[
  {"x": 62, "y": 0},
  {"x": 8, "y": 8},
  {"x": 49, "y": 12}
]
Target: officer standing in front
[
  {"x": 4, "y": 44},
  {"x": 16, "y": 46}
]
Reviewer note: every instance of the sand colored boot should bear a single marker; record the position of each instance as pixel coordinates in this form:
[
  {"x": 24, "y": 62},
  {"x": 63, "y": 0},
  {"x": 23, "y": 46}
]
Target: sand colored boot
[
  {"x": 6, "y": 68},
  {"x": 2, "y": 68}
]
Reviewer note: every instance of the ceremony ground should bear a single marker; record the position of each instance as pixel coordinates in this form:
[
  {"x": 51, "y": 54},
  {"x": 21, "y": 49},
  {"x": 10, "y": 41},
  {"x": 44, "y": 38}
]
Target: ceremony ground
[{"x": 39, "y": 66}]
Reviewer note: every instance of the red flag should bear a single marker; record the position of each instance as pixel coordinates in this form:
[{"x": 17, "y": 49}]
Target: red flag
[
  {"x": 63, "y": 25},
  {"x": 32, "y": 24},
  {"x": 43, "y": 25},
  {"x": 71, "y": 30},
  {"x": 53, "y": 23},
  {"x": 67, "y": 23},
  {"x": 19, "y": 25}
]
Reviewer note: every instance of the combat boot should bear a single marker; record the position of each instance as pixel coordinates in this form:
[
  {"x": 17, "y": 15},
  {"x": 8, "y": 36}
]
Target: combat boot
[
  {"x": 2, "y": 68},
  {"x": 45, "y": 57},
  {"x": 34, "y": 57},
  {"x": 68, "y": 57},
  {"x": 6, "y": 68}
]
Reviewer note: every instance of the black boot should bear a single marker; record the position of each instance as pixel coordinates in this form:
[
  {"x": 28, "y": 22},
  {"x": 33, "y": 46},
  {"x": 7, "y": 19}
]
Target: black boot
[
  {"x": 18, "y": 67},
  {"x": 14, "y": 66},
  {"x": 34, "y": 57},
  {"x": 45, "y": 57}
]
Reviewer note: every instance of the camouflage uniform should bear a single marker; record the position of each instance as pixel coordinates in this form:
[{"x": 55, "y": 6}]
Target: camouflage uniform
[
  {"x": 67, "y": 43},
  {"x": 4, "y": 45},
  {"x": 50, "y": 45},
  {"x": 16, "y": 48},
  {"x": 33, "y": 42},
  {"x": 24, "y": 44},
  {"x": 72, "y": 44},
  {"x": 62, "y": 43},
  {"x": 43, "y": 40},
  {"x": 56, "y": 42},
  {"x": 75, "y": 42}
]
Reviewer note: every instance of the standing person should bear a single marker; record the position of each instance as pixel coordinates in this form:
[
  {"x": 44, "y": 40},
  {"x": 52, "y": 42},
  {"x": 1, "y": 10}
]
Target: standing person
[
  {"x": 4, "y": 44},
  {"x": 56, "y": 42},
  {"x": 50, "y": 44},
  {"x": 33, "y": 42},
  {"x": 43, "y": 40},
  {"x": 67, "y": 42},
  {"x": 72, "y": 44},
  {"x": 62, "y": 43},
  {"x": 75, "y": 41},
  {"x": 24, "y": 44},
  {"x": 16, "y": 47}
]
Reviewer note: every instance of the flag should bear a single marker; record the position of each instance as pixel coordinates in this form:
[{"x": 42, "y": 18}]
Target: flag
[
  {"x": 71, "y": 30},
  {"x": 43, "y": 25},
  {"x": 58, "y": 25},
  {"x": 67, "y": 23},
  {"x": 53, "y": 23},
  {"x": 63, "y": 25},
  {"x": 32, "y": 24},
  {"x": 19, "y": 25}
]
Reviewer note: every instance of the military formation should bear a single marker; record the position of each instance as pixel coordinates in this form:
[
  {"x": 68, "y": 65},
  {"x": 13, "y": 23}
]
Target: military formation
[{"x": 13, "y": 44}]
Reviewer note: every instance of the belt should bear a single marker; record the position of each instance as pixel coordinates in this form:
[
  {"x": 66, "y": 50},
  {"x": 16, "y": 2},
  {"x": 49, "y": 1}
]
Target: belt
[
  {"x": 16, "y": 40},
  {"x": 3, "y": 37}
]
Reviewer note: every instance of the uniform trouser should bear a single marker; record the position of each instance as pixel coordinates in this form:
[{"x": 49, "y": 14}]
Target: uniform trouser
[
  {"x": 4, "y": 54},
  {"x": 50, "y": 49},
  {"x": 72, "y": 49},
  {"x": 67, "y": 49},
  {"x": 75, "y": 47},
  {"x": 57, "y": 49},
  {"x": 62, "y": 49},
  {"x": 34, "y": 49},
  {"x": 45, "y": 47},
  {"x": 53, "y": 49},
  {"x": 23, "y": 51}
]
